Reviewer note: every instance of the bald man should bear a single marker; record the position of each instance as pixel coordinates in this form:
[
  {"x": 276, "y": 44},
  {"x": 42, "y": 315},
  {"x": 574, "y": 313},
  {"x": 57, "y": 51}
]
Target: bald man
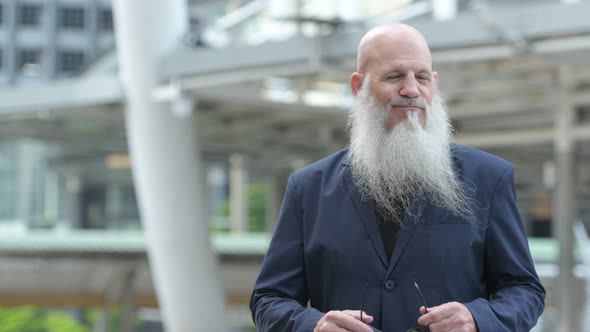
[{"x": 403, "y": 230}]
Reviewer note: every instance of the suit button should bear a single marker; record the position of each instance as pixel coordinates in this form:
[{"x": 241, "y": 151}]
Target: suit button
[{"x": 389, "y": 284}]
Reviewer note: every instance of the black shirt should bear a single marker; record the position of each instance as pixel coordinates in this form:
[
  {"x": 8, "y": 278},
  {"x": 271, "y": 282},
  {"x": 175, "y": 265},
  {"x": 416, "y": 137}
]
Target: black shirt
[{"x": 389, "y": 229}]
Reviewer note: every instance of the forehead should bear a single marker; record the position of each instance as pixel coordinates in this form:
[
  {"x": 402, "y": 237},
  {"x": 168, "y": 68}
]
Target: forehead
[{"x": 400, "y": 52}]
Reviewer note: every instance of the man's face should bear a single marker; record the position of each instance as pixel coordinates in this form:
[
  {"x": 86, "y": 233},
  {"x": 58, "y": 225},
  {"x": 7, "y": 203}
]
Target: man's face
[
  {"x": 404, "y": 86},
  {"x": 402, "y": 78}
]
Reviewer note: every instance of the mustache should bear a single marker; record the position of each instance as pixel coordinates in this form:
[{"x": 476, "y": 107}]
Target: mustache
[{"x": 408, "y": 102}]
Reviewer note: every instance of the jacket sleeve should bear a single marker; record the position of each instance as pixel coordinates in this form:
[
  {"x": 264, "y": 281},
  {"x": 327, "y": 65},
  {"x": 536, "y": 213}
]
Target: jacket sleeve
[
  {"x": 517, "y": 296},
  {"x": 280, "y": 296}
]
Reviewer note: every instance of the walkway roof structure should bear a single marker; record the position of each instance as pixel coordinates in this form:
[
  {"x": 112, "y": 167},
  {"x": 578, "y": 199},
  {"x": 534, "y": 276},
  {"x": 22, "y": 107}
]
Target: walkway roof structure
[{"x": 501, "y": 70}]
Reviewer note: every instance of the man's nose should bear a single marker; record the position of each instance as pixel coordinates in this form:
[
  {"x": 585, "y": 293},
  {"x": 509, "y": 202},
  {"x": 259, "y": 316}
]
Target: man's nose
[{"x": 410, "y": 88}]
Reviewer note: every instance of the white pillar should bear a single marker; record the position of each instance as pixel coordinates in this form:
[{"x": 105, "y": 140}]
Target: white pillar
[
  {"x": 564, "y": 202},
  {"x": 238, "y": 196},
  {"x": 72, "y": 210},
  {"x": 444, "y": 10},
  {"x": 166, "y": 170},
  {"x": 26, "y": 163},
  {"x": 51, "y": 197}
]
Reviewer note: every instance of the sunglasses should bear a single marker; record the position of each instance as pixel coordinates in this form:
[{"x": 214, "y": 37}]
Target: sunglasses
[{"x": 415, "y": 328}]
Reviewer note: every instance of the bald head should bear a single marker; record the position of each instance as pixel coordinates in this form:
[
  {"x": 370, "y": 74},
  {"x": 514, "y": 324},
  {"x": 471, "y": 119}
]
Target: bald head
[
  {"x": 391, "y": 41},
  {"x": 395, "y": 64}
]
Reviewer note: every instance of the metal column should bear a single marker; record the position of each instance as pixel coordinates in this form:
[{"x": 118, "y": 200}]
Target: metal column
[
  {"x": 564, "y": 201},
  {"x": 49, "y": 54},
  {"x": 10, "y": 50},
  {"x": 128, "y": 310},
  {"x": 72, "y": 201},
  {"x": 101, "y": 322},
  {"x": 277, "y": 183},
  {"x": 238, "y": 195},
  {"x": 166, "y": 170},
  {"x": 51, "y": 197},
  {"x": 27, "y": 159}
]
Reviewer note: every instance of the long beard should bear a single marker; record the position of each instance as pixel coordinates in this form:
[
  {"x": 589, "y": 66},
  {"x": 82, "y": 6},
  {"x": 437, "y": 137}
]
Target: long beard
[{"x": 395, "y": 167}]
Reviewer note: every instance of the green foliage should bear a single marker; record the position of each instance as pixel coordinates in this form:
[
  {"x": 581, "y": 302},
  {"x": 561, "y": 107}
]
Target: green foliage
[
  {"x": 256, "y": 195},
  {"x": 114, "y": 321},
  {"x": 60, "y": 322},
  {"x": 31, "y": 319},
  {"x": 34, "y": 319},
  {"x": 224, "y": 209}
]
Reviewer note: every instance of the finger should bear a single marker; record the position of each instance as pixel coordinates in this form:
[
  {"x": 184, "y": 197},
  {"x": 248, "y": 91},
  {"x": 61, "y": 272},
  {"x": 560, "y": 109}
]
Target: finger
[
  {"x": 423, "y": 310},
  {"x": 357, "y": 315},
  {"x": 345, "y": 321},
  {"x": 435, "y": 314},
  {"x": 330, "y": 328}
]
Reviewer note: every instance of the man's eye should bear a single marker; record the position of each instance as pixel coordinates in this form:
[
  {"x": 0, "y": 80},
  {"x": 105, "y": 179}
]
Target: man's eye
[{"x": 394, "y": 77}]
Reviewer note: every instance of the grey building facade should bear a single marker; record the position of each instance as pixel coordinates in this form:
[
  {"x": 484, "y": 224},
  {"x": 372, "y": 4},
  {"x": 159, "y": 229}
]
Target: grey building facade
[{"x": 50, "y": 39}]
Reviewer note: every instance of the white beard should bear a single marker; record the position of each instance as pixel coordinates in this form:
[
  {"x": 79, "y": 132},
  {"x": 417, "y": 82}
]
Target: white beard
[{"x": 406, "y": 162}]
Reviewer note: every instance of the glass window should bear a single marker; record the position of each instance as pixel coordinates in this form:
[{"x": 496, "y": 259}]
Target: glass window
[
  {"x": 71, "y": 61},
  {"x": 72, "y": 18},
  {"x": 29, "y": 57},
  {"x": 106, "y": 20},
  {"x": 29, "y": 15},
  {"x": 29, "y": 62},
  {"x": 129, "y": 203},
  {"x": 8, "y": 176},
  {"x": 93, "y": 201}
]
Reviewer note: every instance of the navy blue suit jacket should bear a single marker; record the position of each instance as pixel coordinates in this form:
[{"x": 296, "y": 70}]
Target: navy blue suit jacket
[{"x": 327, "y": 254}]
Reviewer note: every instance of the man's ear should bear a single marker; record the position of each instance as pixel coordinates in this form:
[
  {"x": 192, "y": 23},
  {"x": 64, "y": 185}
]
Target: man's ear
[
  {"x": 435, "y": 78},
  {"x": 356, "y": 82}
]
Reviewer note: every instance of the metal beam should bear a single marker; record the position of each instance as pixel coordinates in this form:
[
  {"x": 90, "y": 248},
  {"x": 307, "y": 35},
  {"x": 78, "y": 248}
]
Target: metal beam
[
  {"x": 500, "y": 107},
  {"x": 520, "y": 137},
  {"x": 502, "y": 138},
  {"x": 70, "y": 94},
  {"x": 78, "y": 299},
  {"x": 534, "y": 21}
]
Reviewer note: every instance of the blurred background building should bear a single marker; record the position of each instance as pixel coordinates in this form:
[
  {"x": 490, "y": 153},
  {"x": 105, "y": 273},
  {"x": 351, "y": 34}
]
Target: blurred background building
[
  {"x": 45, "y": 40},
  {"x": 267, "y": 83}
]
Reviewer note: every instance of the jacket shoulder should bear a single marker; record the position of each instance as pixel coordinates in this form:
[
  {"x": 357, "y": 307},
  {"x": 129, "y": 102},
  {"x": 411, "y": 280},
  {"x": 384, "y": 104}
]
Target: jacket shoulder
[
  {"x": 321, "y": 170},
  {"x": 480, "y": 160}
]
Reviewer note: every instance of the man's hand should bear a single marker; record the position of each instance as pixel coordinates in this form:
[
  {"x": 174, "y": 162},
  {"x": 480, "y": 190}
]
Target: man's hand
[
  {"x": 341, "y": 321},
  {"x": 452, "y": 316}
]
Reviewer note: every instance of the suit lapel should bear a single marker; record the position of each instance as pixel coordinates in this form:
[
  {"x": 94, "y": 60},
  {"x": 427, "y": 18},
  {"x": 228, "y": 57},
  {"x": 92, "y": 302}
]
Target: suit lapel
[
  {"x": 411, "y": 220},
  {"x": 419, "y": 212},
  {"x": 366, "y": 212}
]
